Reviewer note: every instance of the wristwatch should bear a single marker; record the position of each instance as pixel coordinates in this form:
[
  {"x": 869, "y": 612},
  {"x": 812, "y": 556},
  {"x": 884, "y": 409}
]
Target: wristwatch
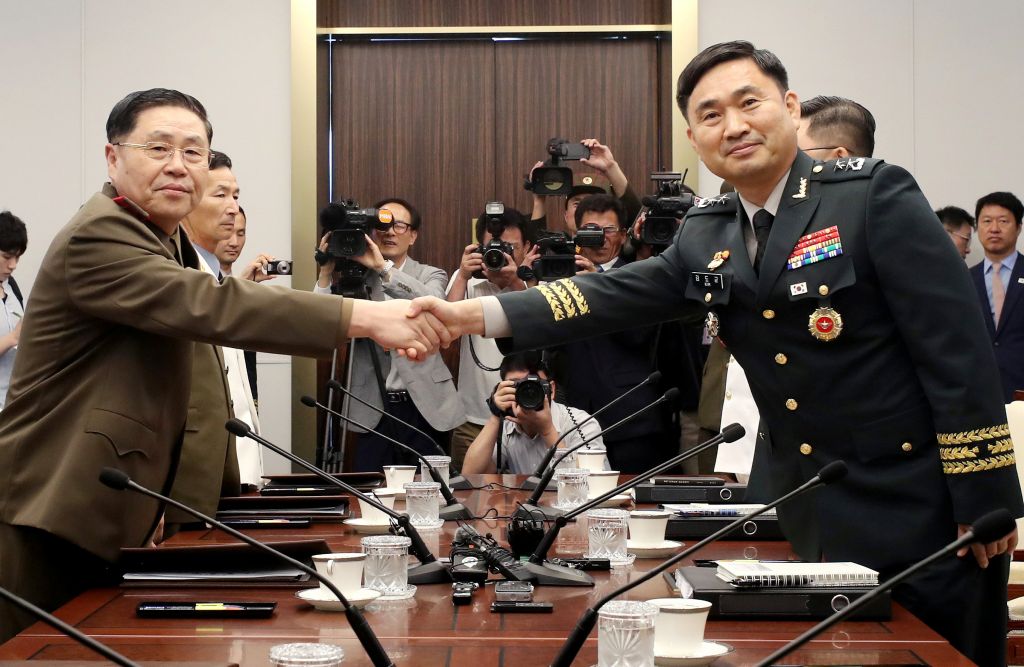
[{"x": 385, "y": 273}]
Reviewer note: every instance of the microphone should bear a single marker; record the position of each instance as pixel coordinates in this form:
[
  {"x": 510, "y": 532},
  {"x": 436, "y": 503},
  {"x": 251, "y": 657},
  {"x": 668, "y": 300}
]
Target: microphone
[
  {"x": 989, "y": 528},
  {"x": 531, "y": 506},
  {"x": 429, "y": 571},
  {"x": 533, "y": 481},
  {"x": 457, "y": 482},
  {"x": 76, "y": 634},
  {"x": 546, "y": 573},
  {"x": 118, "y": 480},
  {"x": 830, "y": 473},
  {"x": 453, "y": 511}
]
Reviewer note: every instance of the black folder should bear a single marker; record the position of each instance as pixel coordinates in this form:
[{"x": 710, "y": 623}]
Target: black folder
[{"x": 731, "y": 603}]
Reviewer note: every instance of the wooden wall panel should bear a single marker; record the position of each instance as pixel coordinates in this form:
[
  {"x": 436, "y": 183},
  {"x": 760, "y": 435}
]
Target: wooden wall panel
[{"x": 451, "y": 13}]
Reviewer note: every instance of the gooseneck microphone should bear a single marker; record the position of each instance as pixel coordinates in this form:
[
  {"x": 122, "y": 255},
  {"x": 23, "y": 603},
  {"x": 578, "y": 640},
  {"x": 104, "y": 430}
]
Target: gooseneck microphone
[
  {"x": 533, "y": 481},
  {"x": 989, "y": 528},
  {"x": 453, "y": 509},
  {"x": 76, "y": 634},
  {"x": 429, "y": 571},
  {"x": 547, "y": 573},
  {"x": 830, "y": 473},
  {"x": 118, "y": 480},
  {"x": 456, "y": 481},
  {"x": 530, "y": 508}
]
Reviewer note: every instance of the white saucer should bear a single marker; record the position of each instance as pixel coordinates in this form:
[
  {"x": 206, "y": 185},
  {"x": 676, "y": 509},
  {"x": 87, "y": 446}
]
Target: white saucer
[
  {"x": 409, "y": 592},
  {"x": 365, "y": 527},
  {"x": 399, "y": 493},
  {"x": 615, "y": 501},
  {"x": 432, "y": 526},
  {"x": 324, "y": 600},
  {"x": 706, "y": 654},
  {"x": 662, "y": 549}
]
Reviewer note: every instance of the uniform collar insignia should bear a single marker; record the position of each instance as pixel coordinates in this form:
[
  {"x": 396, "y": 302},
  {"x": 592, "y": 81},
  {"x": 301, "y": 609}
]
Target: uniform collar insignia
[{"x": 802, "y": 193}]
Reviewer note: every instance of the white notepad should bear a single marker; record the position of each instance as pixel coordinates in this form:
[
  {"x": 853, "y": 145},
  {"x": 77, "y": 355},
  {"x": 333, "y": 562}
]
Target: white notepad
[{"x": 773, "y": 574}]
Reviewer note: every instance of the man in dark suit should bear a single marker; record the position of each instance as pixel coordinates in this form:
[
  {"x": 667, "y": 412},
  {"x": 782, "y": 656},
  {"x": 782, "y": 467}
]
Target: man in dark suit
[
  {"x": 104, "y": 368},
  {"x": 999, "y": 280},
  {"x": 832, "y": 284}
]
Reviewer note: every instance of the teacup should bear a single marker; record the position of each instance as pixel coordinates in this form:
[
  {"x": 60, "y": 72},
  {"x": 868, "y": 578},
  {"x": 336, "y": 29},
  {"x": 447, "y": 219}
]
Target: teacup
[
  {"x": 344, "y": 570},
  {"x": 591, "y": 458},
  {"x": 395, "y": 476},
  {"x": 647, "y": 527},
  {"x": 679, "y": 626},
  {"x": 371, "y": 514},
  {"x": 601, "y": 482}
]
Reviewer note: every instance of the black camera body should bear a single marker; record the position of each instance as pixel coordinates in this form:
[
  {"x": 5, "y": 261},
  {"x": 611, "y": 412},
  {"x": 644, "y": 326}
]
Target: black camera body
[
  {"x": 589, "y": 236},
  {"x": 666, "y": 209},
  {"x": 562, "y": 149},
  {"x": 557, "y": 256},
  {"x": 552, "y": 179},
  {"x": 279, "y": 267},
  {"x": 494, "y": 254},
  {"x": 531, "y": 391},
  {"x": 349, "y": 225}
]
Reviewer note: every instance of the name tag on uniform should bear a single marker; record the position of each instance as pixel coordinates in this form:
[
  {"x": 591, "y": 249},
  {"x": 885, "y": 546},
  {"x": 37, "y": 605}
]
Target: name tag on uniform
[{"x": 708, "y": 280}]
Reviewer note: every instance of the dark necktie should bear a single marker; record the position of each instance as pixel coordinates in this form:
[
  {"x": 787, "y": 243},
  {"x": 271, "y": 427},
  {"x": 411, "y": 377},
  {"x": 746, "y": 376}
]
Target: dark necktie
[{"x": 762, "y": 227}]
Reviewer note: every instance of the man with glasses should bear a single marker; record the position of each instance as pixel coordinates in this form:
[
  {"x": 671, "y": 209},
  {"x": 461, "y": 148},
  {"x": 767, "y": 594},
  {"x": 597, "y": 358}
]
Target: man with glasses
[
  {"x": 422, "y": 394},
  {"x": 999, "y": 280},
  {"x": 103, "y": 371},
  {"x": 835, "y": 127},
  {"x": 959, "y": 224}
]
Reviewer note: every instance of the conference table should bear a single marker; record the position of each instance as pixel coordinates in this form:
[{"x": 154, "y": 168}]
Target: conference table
[{"x": 428, "y": 630}]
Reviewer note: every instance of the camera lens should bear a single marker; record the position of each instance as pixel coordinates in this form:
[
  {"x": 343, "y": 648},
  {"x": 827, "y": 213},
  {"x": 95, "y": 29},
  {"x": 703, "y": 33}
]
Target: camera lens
[
  {"x": 494, "y": 259},
  {"x": 530, "y": 394}
]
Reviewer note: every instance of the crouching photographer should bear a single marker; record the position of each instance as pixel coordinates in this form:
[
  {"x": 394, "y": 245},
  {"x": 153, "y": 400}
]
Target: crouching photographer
[{"x": 525, "y": 422}]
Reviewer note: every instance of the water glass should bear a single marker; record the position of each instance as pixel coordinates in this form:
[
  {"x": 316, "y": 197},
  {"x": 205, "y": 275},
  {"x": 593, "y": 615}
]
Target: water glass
[
  {"x": 625, "y": 634},
  {"x": 606, "y": 534},
  {"x": 421, "y": 504},
  {"x": 387, "y": 563},
  {"x": 572, "y": 487},
  {"x": 441, "y": 463},
  {"x": 306, "y": 655}
]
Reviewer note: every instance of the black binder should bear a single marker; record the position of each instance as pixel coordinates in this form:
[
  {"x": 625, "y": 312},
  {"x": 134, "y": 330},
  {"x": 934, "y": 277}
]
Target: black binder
[
  {"x": 667, "y": 493},
  {"x": 697, "y": 527},
  {"x": 731, "y": 603}
]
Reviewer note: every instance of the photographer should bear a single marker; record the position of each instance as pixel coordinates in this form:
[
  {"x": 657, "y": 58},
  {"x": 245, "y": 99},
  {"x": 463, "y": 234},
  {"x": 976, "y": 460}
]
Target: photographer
[
  {"x": 525, "y": 434},
  {"x": 423, "y": 393},
  {"x": 474, "y": 278}
]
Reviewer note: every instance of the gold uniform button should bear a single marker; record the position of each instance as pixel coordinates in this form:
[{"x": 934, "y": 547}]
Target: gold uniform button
[
  {"x": 781, "y": 359},
  {"x": 707, "y": 297},
  {"x": 806, "y": 449},
  {"x": 791, "y": 404},
  {"x": 768, "y": 314},
  {"x": 817, "y": 169},
  {"x": 823, "y": 290},
  {"x": 907, "y": 446}
]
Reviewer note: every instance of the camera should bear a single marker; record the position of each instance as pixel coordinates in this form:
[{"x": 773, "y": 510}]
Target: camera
[
  {"x": 589, "y": 236},
  {"x": 349, "y": 225},
  {"x": 531, "y": 392},
  {"x": 279, "y": 267},
  {"x": 558, "y": 252},
  {"x": 551, "y": 178},
  {"x": 495, "y": 250},
  {"x": 666, "y": 209}
]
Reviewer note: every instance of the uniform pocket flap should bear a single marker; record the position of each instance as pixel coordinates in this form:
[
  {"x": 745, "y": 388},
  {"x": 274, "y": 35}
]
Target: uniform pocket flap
[
  {"x": 902, "y": 434},
  {"x": 820, "y": 279},
  {"x": 709, "y": 288},
  {"x": 125, "y": 434}
]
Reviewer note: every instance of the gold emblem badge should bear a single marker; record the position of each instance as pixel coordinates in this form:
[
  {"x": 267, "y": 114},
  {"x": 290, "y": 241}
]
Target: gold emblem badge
[
  {"x": 718, "y": 259},
  {"x": 825, "y": 324},
  {"x": 711, "y": 322}
]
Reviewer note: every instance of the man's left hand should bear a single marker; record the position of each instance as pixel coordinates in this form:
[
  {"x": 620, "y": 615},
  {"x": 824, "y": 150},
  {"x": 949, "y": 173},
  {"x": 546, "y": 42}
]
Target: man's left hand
[
  {"x": 257, "y": 270},
  {"x": 984, "y": 552},
  {"x": 371, "y": 259}
]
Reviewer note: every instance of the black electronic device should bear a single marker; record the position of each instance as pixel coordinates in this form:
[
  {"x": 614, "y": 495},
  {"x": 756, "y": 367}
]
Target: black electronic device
[
  {"x": 469, "y": 542},
  {"x": 470, "y": 568},
  {"x": 349, "y": 226},
  {"x": 667, "y": 492},
  {"x": 584, "y": 563},
  {"x": 522, "y": 607},
  {"x": 558, "y": 253},
  {"x": 666, "y": 209},
  {"x": 120, "y": 481},
  {"x": 172, "y": 609},
  {"x": 268, "y": 524},
  {"x": 532, "y": 392},
  {"x": 279, "y": 267},
  {"x": 513, "y": 591},
  {"x": 688, "y": 480},
  {"x": 765, "y": 528},
  {"x": 462, "y": 592},
  {"x": 429, "y": 570},
  {"x": 589, "y": 235},
  {"x": 551, "y": 178}
]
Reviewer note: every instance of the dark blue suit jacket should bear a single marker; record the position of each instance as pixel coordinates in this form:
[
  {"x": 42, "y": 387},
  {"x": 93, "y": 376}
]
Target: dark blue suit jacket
[{"x": 1008, "y": 334}]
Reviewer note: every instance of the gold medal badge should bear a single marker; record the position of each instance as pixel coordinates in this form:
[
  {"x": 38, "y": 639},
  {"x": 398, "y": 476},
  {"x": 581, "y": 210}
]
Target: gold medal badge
[
  {"x": 711, "y": 322},
  {"x": 825, "y": 324},
  {"x": 718, "y": 259}
]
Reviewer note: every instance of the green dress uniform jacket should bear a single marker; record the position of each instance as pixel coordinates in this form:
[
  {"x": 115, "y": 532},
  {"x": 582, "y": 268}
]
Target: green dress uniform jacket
[
  {"x": 104, "y": 369},
  {"x": 876, "y": 355}
]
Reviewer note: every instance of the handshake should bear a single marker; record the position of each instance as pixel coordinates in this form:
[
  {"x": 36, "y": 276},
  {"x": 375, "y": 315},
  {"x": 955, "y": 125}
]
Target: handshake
[{"x": 418, "y": 328}]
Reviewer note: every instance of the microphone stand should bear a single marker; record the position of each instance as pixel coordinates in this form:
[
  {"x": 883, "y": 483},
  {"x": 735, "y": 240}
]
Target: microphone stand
[
  {"x": 453, "y": 511},
  {"x": 118, "y": 480},
  {"x": 456, "y": 482},
  {"x": 76, "y": 634},
  {"x": 531, "y": 508},
  {"x": 555, "y": 575},
  {"x": 988, "y": 528},
  {"x": 830, "y": 473},
  {"x": 533, "y": 481},
  {"x": 429, "y": 571}
]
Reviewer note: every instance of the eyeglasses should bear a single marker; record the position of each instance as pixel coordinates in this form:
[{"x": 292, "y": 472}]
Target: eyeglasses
[
  {"x": 611, "y": 231},
  {"x": 965, "y": 237},
  {"x": 996, "y": 222},
  {"x": 162, "y": 152},
  {"x": 399, "y": 227}
]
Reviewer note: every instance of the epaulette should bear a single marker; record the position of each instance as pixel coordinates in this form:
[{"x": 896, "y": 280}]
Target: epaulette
[
  {"x": 721, "y": 204},
  {"x": 845, "y": 169}
]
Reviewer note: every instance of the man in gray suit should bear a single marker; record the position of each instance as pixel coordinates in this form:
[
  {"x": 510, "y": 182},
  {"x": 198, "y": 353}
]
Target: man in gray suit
[{"x": 422, "y": 394}]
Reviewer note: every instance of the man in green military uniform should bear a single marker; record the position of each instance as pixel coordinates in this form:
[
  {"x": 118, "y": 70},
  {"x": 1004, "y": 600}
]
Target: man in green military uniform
[{"x": 832, "y": 284}]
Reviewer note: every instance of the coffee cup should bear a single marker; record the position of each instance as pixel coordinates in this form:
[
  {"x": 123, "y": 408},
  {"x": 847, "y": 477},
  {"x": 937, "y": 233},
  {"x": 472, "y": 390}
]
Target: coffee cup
[
  {"x": 371, "y": 514},
  {"x": 679, "y": 626},
  {"x": 602, "y": 481},
  {"x": 344, "y": 570},
  {"x": 647, "y": 527},
  {"x": 591, "y": 458},
  {"x": 395, "y": 476}
]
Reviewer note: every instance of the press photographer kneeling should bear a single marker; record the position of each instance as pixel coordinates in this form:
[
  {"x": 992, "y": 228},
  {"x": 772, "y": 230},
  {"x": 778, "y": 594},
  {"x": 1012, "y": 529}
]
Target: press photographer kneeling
[{"x": 525, "y": 421}]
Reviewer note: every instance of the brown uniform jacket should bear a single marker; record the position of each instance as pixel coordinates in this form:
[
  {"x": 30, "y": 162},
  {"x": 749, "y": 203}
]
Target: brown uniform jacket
[{"x": 104, "y": 369}]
